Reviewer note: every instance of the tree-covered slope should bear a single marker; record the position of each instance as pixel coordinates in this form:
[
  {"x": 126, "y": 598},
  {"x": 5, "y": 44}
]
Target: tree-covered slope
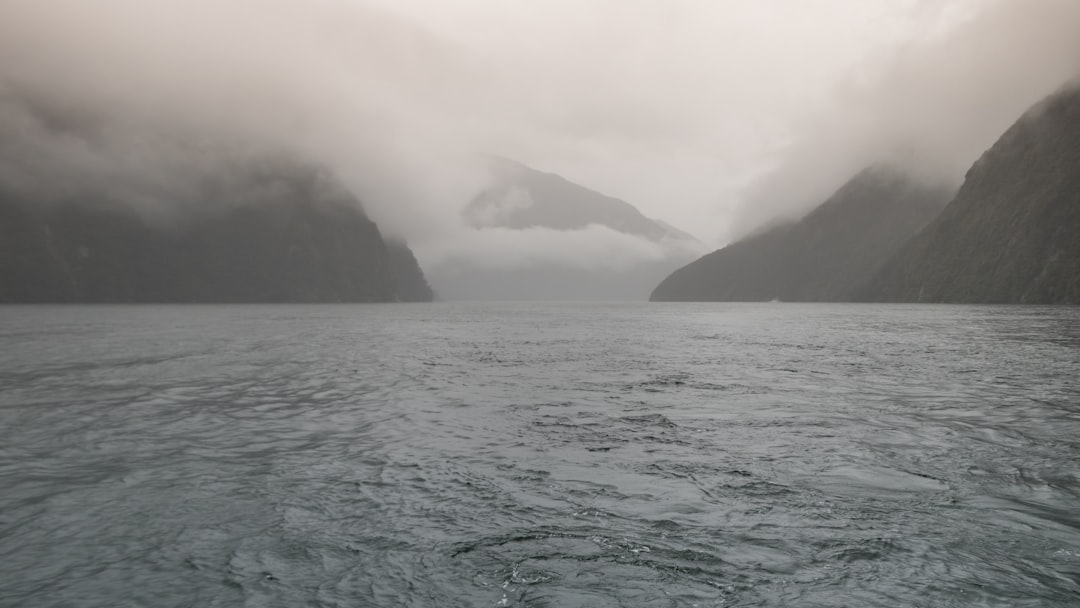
[
  {"x": 97, "y": 205},
  {"x": 1012, "y": 234},
  {"x": 826, "y": 256},
  {"x": 278, "y": 236}
]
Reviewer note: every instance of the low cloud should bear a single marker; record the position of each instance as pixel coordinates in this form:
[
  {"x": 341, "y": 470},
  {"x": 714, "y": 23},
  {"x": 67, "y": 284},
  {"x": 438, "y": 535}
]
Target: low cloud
[
  {"x": 933, "y": 106},
  {"x": 678, "y": 107},
  {"x": 594, "y": 247}
]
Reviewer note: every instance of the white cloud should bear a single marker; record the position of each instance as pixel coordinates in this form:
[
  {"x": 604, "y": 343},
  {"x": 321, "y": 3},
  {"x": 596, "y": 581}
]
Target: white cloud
[
  {"x": 594, "y": 247},
  {"x": 678, "y": 107}
]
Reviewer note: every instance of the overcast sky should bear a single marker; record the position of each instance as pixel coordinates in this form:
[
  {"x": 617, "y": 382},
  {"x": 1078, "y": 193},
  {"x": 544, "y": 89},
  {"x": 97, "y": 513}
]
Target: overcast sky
[
  {"x": 672, "y": 105},
  {"x": 714, "y": 115}
]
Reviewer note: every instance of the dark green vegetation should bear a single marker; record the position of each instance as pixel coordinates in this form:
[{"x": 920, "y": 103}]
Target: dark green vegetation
[
  {"x": 826, "y": 256},
  {"x": 270, "y": 235},
  {"x": 1012, "y": 234}
]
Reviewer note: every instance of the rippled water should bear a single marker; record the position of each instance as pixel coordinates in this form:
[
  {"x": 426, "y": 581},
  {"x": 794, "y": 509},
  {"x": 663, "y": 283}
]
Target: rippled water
[{"x": 540, "y": 455}]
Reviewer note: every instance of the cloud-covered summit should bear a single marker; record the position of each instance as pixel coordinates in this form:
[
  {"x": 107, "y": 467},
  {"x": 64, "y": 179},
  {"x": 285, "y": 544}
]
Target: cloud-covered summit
[{"x": 712, "y": 116}]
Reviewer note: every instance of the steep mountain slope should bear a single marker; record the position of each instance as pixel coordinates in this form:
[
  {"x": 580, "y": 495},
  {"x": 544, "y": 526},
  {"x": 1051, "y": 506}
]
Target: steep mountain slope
[
  {"x": 826, "y": 256},
  {"x": 294, "y": 239},
  {"x": 100, "y": 206},
  {"x": 523, "y": 199},
  {"x": 1012, "y": 234},
  {"x": 412, "y": 285}
]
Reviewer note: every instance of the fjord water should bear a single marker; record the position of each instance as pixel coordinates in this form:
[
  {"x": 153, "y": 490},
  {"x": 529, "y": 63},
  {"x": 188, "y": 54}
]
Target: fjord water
[{"x": 540, "y": 455}]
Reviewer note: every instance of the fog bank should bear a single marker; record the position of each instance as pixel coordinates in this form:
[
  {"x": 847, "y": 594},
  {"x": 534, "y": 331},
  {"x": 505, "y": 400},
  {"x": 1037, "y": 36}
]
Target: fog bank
[{"x": 716, "y": 117}]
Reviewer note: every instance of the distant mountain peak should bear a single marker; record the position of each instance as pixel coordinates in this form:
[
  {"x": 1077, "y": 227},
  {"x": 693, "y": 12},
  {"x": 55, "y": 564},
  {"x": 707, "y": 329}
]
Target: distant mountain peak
[
  {"x": 597, "y": 247},
  {"x": 521, "y": 197}
]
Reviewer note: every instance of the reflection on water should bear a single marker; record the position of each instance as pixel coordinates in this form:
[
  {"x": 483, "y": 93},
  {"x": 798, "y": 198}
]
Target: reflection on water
[{"x": 540, "y": 455}]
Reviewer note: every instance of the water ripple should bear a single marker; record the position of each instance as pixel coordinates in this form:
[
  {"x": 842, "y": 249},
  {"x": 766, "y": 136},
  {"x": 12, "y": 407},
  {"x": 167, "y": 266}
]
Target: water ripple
[{"x": 540, "y": 455}]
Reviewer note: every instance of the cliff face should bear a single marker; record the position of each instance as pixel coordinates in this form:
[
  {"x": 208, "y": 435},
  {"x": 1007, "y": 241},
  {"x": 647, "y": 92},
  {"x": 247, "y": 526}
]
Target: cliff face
[
  {"x": 1012, "y": 234},
  {"x": 412, "y": 285},
  {"x": 826, "y": 256},
  {"x": 100, "y": 206},
  {"x": 292, "y": 236}
]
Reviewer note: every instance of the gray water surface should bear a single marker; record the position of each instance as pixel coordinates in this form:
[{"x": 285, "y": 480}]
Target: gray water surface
[{"x": 540, "y": 455}]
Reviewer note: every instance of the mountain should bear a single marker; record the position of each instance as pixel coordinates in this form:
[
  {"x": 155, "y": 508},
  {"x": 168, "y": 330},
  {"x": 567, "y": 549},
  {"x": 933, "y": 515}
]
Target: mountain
[
  {"x": 100, "y": 206},
  {"x": 523, "y": 199},
  {"x": 1012, "y": 234},
  {"x": 412, "y": 285},
  {"x": 295, "y": 238},
  {"x": 826, "y": 256}
]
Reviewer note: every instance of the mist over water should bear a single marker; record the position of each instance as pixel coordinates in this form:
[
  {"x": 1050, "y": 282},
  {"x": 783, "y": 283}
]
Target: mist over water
[
  {"x": 555, "y": 454},
  {"x": 715, "y": 117},
  {"x": 540, "y": 455}
]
